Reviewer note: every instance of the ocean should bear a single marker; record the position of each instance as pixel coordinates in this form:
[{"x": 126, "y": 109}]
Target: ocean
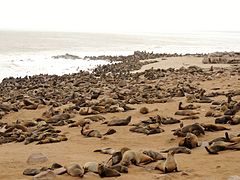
[{"x": 30, "y": 53}]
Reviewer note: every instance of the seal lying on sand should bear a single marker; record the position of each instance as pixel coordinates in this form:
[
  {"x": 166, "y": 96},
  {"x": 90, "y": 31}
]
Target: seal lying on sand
[
  {"x": 75, "y": 170},
  {"x": 195, "y": 128},
  {"x": 105, "y": 171},
  {"x": 169, "y": 120},
  {"x": 120, "y": 122},
  {"x": 90, "y": 167},
  {"x": 90, "y": 133},
  {"x": 147, "y": 129},
  {"x": 221, "y": 146},
  {"x": 235, "y": 120},
  {"x": 213, "y": 127},
  {"x": 106, "y": 151},
  {"x": 190, "y": 141},
  {"x": 186, "y": 113},
  {"x": 223, "y": 120},
  {"x": 235, "y": 139},
  {"x": 168, "y": 165},
  {"x": 177, "y": 150},
  {"x": 187, "y": 107},
  {"x": 117, "y": 156},
  {"x": 153, "y": 154},
  {"x": 135, "y": 157}
]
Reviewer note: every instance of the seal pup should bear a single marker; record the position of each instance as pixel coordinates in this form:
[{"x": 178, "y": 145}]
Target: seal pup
[
  {"x": 168, "y": 165},
  {"x": 190, "y": 141}
]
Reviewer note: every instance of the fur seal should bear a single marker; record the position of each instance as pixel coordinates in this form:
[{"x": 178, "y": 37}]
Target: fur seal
[
  {"x": 75, "y": 170},
  {"x": 120, "y": 168},
  {"x": 195, "y": 128},
  {"x": 154, "y": 155},
  {"x": 223, "y": 120},
  {"x": 235, "y": 120},
  {"x": 105, "y": 171},
  {"x": 105, "y": 151},
  {"x": 187, "y": 107},
  {"x": 144, "y": 110},
  {"x": 190, "y": 141},
  {"x": 235, "y": 139},
  {"x": 217, "y": 139},
  {"x": 120, "y": 122},
  {"x": 186, "y": 113},
  {"x": 221, "y": 146},
  {"x": 90, "y": 133},
  {"x": 110, "y": 132},
  {"x": 80, "y": 123},
  {"x": 168, "y": 165},
  {"x": 169, "y": 120},
  {"x": 190, "y": 117},
  {"x": 90, "y": 167},
  {"x": 134, "y": 157},
  {"x": 177, "y": 150},
  {"x": 57, "y": 118},
  {"x": 213, "y": 127}
]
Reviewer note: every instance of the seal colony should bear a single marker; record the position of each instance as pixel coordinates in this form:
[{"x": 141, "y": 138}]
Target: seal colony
[{"x": 115, "y": 123}]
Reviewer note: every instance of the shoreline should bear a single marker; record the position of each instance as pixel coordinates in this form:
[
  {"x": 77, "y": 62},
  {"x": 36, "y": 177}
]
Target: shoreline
[
  {"x": 143, "y": 59},
  {"x": 56, "y": 108}
]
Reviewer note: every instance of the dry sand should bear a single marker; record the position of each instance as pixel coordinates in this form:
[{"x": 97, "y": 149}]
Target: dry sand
[
  {"x": 198, "y": 165},
  {"x": 178, "y": 62}
]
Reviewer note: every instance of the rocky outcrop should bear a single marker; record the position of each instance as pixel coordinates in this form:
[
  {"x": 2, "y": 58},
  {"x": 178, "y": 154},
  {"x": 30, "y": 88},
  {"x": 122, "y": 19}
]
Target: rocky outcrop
[
  {"x": 222, "y": 58},
  {"x": 66, "y": 56}
]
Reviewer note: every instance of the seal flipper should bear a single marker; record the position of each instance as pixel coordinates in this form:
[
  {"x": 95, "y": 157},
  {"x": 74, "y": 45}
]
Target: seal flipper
[
  {"x": 210, "y": 152},
  {"x": 227, "y": 136}
]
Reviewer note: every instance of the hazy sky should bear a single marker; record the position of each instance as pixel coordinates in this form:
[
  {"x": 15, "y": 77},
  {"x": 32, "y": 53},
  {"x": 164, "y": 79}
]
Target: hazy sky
[{"x": 120, "y": 15}]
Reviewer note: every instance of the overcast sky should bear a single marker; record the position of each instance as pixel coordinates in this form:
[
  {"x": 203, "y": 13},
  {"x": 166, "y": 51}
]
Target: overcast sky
[{"x": 120, "y": 16}]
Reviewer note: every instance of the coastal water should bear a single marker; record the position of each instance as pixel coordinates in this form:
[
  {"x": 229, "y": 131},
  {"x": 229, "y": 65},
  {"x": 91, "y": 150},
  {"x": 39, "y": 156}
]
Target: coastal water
[{"x": 29, "y": 53}]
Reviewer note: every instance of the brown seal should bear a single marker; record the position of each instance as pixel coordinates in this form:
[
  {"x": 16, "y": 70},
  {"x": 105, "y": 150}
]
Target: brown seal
[
  {"x": 187, "y": 107},
  {"x": 135, "y": 157},
  {"x": 105, "y": 171},
  {"x": 213, "y": 127},
  {"x": 190, "y": 141},
  {"x": 177, "y": 150},
  {"x": 168, "y": 165},
  {"x": 90, "y": 133}
]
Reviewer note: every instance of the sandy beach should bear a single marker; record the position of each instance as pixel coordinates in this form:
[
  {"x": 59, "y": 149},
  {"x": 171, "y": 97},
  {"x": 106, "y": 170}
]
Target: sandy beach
[{"x": 197, "y": 165}]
